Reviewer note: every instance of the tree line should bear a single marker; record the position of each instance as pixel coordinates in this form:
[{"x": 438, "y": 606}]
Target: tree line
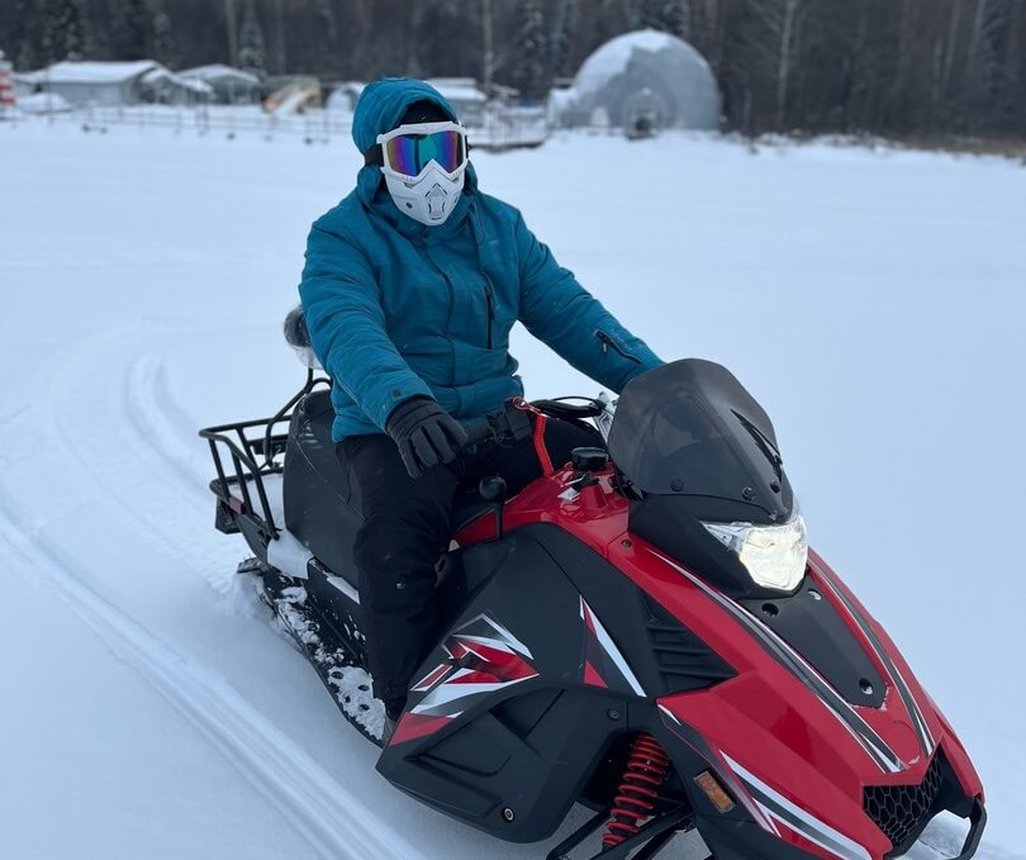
[{"x": 896, "y": 67}]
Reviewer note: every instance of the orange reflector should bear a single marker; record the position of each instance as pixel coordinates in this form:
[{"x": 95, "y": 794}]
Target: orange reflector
[{"x": 716, "y": 793}]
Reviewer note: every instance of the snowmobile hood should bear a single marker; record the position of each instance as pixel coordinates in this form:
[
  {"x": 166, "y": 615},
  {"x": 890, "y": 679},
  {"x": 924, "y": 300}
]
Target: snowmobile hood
[
  {"x": 379, "y": 109},
  {"x": 793, "y": 741}
]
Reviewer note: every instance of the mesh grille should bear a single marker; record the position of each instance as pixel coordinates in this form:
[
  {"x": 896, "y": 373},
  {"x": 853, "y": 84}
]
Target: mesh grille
[{"x": 898, "y": 809}]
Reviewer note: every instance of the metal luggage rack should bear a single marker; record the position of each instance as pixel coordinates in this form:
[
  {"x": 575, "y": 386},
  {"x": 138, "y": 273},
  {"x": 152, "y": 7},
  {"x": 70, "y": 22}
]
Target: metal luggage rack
[{"x": 255, "y": 450}]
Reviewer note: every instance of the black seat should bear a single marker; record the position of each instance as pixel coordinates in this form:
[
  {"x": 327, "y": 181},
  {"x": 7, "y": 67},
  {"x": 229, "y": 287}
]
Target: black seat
[
  {"x": 319, "y": 509},
  {"x": 317, "y": 493}
]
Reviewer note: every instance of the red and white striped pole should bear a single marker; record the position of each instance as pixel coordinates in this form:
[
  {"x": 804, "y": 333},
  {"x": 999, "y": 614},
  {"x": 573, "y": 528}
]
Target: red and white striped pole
[{"x": 6, "y": 89}]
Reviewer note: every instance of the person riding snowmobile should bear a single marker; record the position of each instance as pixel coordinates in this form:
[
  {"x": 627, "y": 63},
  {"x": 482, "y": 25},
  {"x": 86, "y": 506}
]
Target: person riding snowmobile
[{"x": 411, "y": 286}]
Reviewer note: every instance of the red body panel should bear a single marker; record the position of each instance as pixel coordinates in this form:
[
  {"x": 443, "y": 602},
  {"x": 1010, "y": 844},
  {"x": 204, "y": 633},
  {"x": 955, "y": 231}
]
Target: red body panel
[{"x": 766, "y": 719}]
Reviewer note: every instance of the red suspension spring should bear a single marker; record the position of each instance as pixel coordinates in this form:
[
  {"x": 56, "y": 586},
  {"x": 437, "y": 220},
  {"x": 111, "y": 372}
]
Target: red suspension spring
[{"x": 646, "y": 769}]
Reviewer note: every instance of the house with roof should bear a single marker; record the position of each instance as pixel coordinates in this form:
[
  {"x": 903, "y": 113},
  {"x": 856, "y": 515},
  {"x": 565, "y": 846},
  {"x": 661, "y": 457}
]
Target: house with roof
[
  {"x": 465, "y": 96},
  {"x": 229, "y": 86},
  {"x": 162, "y": 86},
  {"x": 114, "y": 84}
]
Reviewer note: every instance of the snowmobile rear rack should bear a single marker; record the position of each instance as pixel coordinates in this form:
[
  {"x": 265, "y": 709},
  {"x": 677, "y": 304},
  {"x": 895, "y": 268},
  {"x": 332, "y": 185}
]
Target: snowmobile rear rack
[{"x": 255, "y": 451}]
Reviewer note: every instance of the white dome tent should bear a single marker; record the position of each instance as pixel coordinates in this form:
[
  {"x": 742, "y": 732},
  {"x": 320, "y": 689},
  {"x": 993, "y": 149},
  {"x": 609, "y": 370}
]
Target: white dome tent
[{"x": 643, "y": 79}]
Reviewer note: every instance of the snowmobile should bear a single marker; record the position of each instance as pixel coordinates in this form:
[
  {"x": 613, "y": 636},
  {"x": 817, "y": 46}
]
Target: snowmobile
[{"x": 642, "y": 630}]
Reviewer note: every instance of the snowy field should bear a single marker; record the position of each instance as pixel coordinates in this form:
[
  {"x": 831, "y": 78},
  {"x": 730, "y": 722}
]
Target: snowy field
[{"x": 873, "y": 302}]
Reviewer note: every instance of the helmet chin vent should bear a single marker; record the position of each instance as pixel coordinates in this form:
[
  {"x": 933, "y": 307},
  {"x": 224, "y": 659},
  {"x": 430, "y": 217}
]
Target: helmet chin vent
[
  {"x": 431, "y": 199},
  {"x": 436, "y": 198}
]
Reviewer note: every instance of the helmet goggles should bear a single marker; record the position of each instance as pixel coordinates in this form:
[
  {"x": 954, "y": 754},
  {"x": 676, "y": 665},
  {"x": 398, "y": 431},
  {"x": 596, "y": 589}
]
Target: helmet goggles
[{"x": 407, "y": 150}]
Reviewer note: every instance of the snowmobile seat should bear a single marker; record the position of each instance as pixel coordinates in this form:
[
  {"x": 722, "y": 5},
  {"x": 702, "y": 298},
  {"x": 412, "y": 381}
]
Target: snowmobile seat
[
  {"x": 317, "y": 493},
  {"x": 319, "y": 509}
]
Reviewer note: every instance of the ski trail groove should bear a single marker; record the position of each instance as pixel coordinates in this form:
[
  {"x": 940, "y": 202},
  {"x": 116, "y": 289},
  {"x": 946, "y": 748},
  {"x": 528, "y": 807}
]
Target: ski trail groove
[
  {"x": 171, "y": 518},
  {"x": 334, "y": 820}
]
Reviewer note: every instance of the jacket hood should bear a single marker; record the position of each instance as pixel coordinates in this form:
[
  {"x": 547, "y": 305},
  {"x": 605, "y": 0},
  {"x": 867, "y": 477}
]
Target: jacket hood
[{"x": 379, "y": 109}]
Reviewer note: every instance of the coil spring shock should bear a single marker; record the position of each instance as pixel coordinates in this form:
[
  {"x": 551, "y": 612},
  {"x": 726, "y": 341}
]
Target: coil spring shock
[{"x": 647, "y": 766}]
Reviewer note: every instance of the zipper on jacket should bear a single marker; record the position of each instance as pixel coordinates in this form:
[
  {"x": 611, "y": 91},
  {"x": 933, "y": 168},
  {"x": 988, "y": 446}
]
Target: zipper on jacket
[
  {"x": 448, "y": 313},
  {"x": 491, "y": 310},
  {"x": 608, "y": 341}
]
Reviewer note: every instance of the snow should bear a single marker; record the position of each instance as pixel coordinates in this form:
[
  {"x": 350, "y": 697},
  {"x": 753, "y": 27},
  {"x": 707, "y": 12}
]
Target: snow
[
  {"x": 459, "y": 90},
  {"x": 871, "y": 300},
  {"x": 215, "y": 71},
  {"x": 611, "y": 59},
  {"x": 44, "y": 103},
  {"x": 158, "y": 75},
  {"x": 84, "y": 72}
]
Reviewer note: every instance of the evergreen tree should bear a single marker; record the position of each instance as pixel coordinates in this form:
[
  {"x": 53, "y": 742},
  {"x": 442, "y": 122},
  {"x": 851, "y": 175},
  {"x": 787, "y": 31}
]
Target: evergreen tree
[
  {"x": 163, "y": 42},
  {"x": 66, "y": 31},
  {"x": 25, "y": 35},
  {"x": 251, "y": 41},
  {"x": 529, "y": 70},
  {"x": 881, "y": 66},
  {"x": 669, "y": 16},
  {"x": 562, "y": 38},
  {"x": 128, "y": 29}
]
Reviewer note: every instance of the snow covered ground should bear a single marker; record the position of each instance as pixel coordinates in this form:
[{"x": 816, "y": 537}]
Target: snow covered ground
[{"x": 872, "y": 301}]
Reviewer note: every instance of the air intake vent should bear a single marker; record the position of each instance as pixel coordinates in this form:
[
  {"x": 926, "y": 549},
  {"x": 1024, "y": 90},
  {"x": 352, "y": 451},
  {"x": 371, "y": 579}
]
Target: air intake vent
[
  {"x": 684, "y": 661},
  {"x": 899, "y": 809}
]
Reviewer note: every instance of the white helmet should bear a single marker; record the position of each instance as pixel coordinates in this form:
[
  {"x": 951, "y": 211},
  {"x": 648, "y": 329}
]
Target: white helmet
[{"x": 424, "y": 164}]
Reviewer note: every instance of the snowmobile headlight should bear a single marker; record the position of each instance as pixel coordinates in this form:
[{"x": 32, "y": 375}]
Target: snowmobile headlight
[{"x": 774, "y": 556}]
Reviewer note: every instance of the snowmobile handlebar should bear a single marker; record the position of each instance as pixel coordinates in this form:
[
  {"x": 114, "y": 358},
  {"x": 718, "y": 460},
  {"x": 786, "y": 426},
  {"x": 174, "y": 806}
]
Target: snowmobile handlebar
[
  {"x": 505, "y": 426},
  {"x": 477, "y": 433},
  {"x": 515, "y": 421}
]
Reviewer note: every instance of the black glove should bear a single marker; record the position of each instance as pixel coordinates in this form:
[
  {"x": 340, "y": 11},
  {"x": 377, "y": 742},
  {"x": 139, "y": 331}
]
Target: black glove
[{"x": 425, "y": 433}]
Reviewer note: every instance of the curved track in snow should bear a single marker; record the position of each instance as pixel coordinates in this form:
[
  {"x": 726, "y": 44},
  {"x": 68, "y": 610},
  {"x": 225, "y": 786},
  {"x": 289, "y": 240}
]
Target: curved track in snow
[{"x": 330, "y": 816}]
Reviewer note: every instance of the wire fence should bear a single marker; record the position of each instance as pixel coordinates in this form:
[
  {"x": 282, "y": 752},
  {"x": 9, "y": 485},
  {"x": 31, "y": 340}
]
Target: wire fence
[{"x": 508, "y": 128}]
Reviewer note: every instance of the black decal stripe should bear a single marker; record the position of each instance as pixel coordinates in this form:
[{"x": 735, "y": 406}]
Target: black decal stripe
[{"x": 926, "y": 740}]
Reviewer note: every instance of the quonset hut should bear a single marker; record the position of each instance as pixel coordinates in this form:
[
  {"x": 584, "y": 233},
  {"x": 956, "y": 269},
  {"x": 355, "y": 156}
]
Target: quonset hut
[{"x": 645, "y": 78}]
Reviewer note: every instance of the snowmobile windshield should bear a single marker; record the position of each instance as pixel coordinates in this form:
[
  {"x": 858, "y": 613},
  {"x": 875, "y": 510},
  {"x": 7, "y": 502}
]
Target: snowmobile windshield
[{"x": 689, "y": 428}]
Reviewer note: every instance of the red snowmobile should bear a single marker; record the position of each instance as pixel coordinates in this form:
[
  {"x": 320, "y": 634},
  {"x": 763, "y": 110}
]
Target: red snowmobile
[{"x": 642, "y": 630}]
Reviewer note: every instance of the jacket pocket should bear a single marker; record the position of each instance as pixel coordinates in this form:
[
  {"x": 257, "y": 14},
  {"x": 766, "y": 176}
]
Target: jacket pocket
[{"x": 609, "y": 342}]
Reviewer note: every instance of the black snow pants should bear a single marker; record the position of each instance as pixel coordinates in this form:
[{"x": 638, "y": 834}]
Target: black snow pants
[{"x": 406, "y": 527}]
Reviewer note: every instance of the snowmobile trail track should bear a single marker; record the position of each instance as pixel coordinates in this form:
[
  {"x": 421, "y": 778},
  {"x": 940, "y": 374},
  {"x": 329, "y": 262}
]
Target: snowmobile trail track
[
  {"x": 134, "y": 463},
  {"x": 330, "y": 818}
]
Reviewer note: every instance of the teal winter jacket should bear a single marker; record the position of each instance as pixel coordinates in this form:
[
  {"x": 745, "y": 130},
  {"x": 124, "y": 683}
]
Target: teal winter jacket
[{"x": 397, "y": 309}]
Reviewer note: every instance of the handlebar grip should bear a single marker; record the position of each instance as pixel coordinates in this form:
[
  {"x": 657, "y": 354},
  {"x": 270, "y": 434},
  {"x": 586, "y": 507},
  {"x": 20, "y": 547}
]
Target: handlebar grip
[{"x": 482, "y": 431}]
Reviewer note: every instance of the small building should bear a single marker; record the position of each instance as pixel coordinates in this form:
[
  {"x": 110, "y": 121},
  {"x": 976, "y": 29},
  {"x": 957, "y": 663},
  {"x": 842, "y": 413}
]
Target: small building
[
  {"x": 297, "y": 94},
  {"x": 92, "y": 82},
  {"x": 465, "y": 97},
  {"x": 343, "y": 96},
  {"x": 229, "y": 86},
  {"x": 494, "y": 119},
  {"x": 640, "y": 82},
  {"x": 162, "y": 86}
]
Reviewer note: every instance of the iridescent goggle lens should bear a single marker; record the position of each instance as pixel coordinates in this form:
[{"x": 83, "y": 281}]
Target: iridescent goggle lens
[{"x": 409, "y": 154}]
